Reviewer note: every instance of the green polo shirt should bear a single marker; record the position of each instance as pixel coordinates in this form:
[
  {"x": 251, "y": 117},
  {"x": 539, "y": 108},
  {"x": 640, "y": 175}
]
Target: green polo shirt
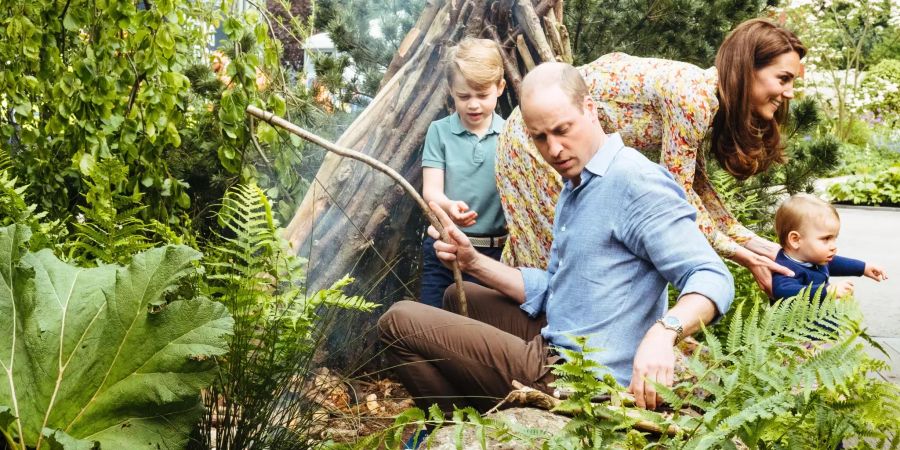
[{"x": 468, "y": 165}]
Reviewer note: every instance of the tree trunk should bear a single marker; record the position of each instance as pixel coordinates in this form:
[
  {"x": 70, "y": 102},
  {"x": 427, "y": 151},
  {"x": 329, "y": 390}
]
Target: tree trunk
[{"x": 355, "y": 220}]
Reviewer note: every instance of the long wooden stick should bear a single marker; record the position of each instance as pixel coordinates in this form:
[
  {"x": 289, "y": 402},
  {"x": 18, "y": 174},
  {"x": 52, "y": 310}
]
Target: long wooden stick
[{"x": 281, "y": 122}]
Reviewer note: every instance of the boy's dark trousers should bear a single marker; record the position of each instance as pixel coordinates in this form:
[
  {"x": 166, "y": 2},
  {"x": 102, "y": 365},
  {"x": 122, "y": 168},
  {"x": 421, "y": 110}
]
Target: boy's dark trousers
[{"x": 436, "y": 277}]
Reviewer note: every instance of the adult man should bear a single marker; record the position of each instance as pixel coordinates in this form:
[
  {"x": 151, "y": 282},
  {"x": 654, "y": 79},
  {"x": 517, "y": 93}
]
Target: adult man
[{"x": 623, "y": 231}]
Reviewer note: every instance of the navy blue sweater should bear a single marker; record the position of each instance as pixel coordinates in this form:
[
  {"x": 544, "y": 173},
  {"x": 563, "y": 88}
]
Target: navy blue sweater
[{"x": 813, "y": 274}]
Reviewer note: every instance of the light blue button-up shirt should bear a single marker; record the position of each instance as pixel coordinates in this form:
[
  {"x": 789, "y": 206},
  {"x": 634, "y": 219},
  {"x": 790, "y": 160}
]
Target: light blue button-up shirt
[{"x": 619, "y": 237}]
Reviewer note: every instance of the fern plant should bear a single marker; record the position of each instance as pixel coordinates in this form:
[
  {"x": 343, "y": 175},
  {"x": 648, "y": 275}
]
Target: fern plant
[
  {"x": 260, "y": 398},
  {"x": 109, "y": 228},
  {"x": 791, "y": 375},
  {"x": 593, "y": 426}
]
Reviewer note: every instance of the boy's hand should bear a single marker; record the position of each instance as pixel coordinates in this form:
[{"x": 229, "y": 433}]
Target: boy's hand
[
  {"x": 459, "y": 248},
  {"x": 874, "y": 272},
  {"x": 460, "y": 214},
  {"x": 841, "y": 289}
]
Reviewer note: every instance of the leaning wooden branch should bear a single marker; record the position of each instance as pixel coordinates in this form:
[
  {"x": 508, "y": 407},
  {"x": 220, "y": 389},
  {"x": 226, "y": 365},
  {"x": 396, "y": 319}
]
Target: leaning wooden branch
[
  {"x": 280, "y": 122},
  {"x": 524, "y": 395}
]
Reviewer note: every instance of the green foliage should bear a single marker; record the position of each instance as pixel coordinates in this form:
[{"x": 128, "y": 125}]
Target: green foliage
[
  {"x": 109, "y": 228},
  {"x": 810, "y": 154},
  {"x": 684, "y": 30},
  {"x": 259, "y": 399},
  {"x": 839, "y": 36},
  {"x": 791, "y": 375},
  {"x": 880, "y": 189},
  {"x": 593, "y": 426},
  {"x": 14, "y": 208},
  {"x": 87, "y": 82},
  {"x": 882, "y": 82},
  {"x": 369, "y": 31},
  {"x": 864, "y": 160},
  {"x": 101, "y": 354}
]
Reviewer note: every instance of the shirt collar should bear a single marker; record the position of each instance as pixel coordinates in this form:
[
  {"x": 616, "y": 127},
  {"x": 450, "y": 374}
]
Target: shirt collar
[
  {"x": 599, "y": 164},
  {"x": 802, "y": 263},
  {"x": 457, "y": 128}
]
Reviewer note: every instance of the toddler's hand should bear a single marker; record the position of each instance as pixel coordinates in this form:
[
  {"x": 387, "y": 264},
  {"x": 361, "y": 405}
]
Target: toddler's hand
[
  {"x": 841, "y": 289},
  {"x": 875, "y": 272},
  {"x": 460, "y": 214}
]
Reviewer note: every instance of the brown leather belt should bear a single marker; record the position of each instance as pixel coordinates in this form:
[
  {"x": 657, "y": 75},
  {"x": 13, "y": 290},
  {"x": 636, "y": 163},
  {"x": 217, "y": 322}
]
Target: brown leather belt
[{"x": 488, "y": 241}]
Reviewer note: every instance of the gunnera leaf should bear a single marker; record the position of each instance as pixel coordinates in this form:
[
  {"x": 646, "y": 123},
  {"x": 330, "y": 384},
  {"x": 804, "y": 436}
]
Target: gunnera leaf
[{"x": 97, "y": 353}]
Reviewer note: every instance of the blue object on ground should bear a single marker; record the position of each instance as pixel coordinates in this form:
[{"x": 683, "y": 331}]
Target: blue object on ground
[{"x": 416, "y": 440}]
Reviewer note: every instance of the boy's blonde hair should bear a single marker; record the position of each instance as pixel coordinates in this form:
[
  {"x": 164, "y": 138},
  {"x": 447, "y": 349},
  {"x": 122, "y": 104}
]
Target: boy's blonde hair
[
  {"x": 800, "y": 209},
  {"x": 477, "y": 61}
]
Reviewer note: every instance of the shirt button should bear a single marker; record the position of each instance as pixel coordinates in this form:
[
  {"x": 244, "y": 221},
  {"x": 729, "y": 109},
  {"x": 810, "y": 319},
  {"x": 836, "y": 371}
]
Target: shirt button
[{"x": 563, "y": 228}]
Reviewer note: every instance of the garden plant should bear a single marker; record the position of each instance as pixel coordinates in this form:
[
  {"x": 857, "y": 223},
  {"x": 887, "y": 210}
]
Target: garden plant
[{"x": 150, "y": 298}]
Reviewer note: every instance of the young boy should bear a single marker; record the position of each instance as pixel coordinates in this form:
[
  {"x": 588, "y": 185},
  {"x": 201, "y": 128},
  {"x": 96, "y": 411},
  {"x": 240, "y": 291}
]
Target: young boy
[
  {"x": 458, "y": 160},
  {"x": 807, "y": 229}
]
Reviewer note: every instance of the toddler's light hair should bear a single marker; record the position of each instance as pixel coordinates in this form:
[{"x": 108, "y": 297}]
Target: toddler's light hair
[
  {"x": 800, "y": 209},
  {"x": 477, "y": 61}
]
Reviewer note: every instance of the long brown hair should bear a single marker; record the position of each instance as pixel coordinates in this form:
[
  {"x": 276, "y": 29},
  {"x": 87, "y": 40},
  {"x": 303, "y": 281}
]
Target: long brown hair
[{"x": 745, "y": 144}]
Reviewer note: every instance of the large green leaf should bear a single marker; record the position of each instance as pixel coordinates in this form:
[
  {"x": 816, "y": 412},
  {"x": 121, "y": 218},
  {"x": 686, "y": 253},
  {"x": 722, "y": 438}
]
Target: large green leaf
[{"x": 97, "y": 353}]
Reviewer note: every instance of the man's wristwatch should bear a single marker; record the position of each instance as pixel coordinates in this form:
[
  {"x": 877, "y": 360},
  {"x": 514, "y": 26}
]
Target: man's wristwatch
[{"x": 672, "y": 323}]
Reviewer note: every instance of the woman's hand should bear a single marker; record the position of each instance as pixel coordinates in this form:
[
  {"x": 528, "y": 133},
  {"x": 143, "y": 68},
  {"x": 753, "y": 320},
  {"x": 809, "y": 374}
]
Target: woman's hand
[
  {"x": 763, "y": 247},
  {"x": 761, "y": 266}
]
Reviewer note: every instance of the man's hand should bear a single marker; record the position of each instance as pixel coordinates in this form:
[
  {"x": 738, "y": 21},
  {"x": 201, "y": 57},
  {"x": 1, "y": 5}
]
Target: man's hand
[
  {"x": 654, "y": 361},
  {"x": 459, "y": 212},
  {"x": 841, "y": 289},
  {"x": 875, "y": 272},
  {"x": 459, "y": 248}
]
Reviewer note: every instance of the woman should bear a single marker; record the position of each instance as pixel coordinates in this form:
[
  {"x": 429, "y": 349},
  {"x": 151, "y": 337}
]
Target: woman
[{"x": 734, "y": 108}]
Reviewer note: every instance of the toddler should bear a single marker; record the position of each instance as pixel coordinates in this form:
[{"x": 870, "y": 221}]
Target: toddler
[{"x": 807, "y": 229}]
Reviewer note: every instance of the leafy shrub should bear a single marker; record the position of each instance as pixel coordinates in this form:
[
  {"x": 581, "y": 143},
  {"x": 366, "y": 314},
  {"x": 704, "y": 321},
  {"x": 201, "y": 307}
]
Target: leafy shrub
[
  {"x": 259, "y": 399},
  {"x": 881, "y": 189},
  {"x": 882, "y": 82},
  {"x": 794, "y": 374},
  {"x": 867, "y": 159},
  {"x": 99, "y": 355}
]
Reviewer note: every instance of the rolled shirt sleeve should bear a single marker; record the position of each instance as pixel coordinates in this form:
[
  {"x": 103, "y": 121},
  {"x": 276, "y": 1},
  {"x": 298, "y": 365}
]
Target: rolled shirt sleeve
[
  {"x": 659, "y": 226},
  {"x": 537, "y": 282}
]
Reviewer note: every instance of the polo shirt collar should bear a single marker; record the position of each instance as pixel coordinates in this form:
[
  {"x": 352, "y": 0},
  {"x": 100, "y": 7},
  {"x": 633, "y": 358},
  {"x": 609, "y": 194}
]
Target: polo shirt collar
[
  {"x": 599, "y": 164},
  {"x": 457, "y": 128}
]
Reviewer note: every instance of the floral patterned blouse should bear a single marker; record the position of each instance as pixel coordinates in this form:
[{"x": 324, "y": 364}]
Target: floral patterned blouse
[{"x": 662, "y": 108}]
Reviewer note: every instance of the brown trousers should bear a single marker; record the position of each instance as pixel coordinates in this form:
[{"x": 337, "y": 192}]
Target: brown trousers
[{"x": 444, "y": 358}]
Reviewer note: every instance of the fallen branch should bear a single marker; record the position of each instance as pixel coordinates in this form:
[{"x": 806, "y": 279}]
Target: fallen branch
[
  {"x": 283, "y": 123},
  {"x": 528, "y": 396}
]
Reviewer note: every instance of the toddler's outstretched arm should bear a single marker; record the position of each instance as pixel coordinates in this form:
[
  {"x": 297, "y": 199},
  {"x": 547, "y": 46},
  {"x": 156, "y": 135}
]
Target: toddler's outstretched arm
[{"x": 875, "y": 272}]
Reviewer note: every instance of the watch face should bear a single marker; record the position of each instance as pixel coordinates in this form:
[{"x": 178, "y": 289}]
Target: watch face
[{"x": 671, "y": 321}]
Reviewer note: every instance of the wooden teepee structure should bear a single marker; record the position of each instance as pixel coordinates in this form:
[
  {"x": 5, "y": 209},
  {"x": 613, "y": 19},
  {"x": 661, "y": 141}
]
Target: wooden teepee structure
[{"x": 353, "y": 219}]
